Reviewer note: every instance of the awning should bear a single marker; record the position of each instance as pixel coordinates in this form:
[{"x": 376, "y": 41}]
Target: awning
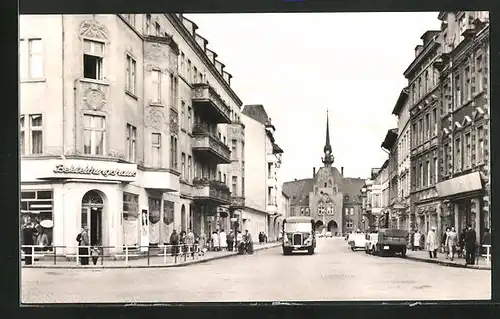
[{"x": 461, "y": 184}]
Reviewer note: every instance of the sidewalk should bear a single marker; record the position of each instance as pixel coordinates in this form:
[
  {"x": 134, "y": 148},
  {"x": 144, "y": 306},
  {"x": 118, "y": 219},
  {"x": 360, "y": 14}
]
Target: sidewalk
[
  {"x": 154, "y": 260},
  {"x": 423, "y": 256}
]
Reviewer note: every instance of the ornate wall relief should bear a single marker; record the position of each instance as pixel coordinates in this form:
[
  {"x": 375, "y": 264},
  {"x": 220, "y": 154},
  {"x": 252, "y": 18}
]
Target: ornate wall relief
[
  {"x": 93, "y": 29},
  {"x": 154, "y": 118},
  {"x": 94, "y": 99}
]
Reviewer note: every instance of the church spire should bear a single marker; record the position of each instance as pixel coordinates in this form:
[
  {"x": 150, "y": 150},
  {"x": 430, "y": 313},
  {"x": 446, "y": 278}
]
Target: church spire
[{"x": 328, "y": 159}]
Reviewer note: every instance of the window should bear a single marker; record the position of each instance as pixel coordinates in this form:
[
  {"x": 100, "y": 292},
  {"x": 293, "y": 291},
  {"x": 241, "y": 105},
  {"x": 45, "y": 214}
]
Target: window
[
  {"x": 131, "y": 71},
  {"x": 156, "y": 87},
  {"x": 347, "y": 211},
  {"x": 429, "y": 173},
  {"x": 93, "y": 134},
  {"x": 480, "y": 144},
  {"x": 31, "y": 59},
  {"x": 183, "y": 115},
  {"x": 156, "y": 149},
  {"x": 351, "y": 210},
  {"x": 173, "y": 152},
  {"x": 130, "y": 206},
  {"x": 243, "y": 150},
  {"x": 38, "y": 204},
  {"x": 173, "y": 91},
  {"x": 419, "y": 88},
  {"x": 183, "y": 166},
  {"x": 189, "y": 123},
  {"x": 234, "y": 185},
  {"x": 426, "y": 82},
  {"x": 445, "y": 158},
  {"x": 188, "y": 73},
  {"x": 131, "y": 146},
  {"x": 427, "y": 127},
  {"x": 349, "y": 224},
  {"x": 435, "y": 170},
  {"x": 414, "y": 133},
  {"x": 421, "y": 175},
  {"x": 148, "y": 24},
  {"x": 225, "y": 179},
  {"x": 467, "y": 84},
  {"x": 479, "y": 73},
  {"x": 31, "y": 135},
  {"x": 467, "y": 151},
  {"x": 270, "y": 196},
  {"x": 93, "y": 53},
  {"x": 413, "y": 94},
  {"x": 269, "y": 169},
  {"x": 182, "y": 59},
  {"x": 189, "y": 172},
  {"x": 458, "y": 154},
  {"x": 233, "y": 149},
  {"x": 420, "y": 136},
  {"x": 157, "y": 29},
  {"x": 434, "y": 122},
  {"x": 413, "y": 177},
  {"x": 220, "y": 176},
  {"x": 224, "y": 140},
  {"x": 195, "y": 75},
  {"x": 458, "y": 93}
]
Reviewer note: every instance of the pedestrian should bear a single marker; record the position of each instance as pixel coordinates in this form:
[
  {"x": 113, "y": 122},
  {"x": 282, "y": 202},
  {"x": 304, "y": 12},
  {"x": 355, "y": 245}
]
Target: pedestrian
[
  {"x": 443, "y": 241},
  {"x": 95, "y": 252},
  {"x": 223, "y": 239},
  {"x": 190, "y": 242},
  {"x": 202, "y": 242},
  {"x": 470, "y": 246},
  {"x": 461, "y": 243},
  {"x": 182, "y": 241},
  {"x": 486, "y": 240},
  {"x": 261, "y": 238},
  {"x": 239, "y": 238},
  {"x": 83, "y": 246},
  {"x": 416, "y": 240},
  {"x": 248, "y": 242},
  {"x": 451, "y": 242},
  {"x": 174, "y": 241},
  {"x": 215, "y": 241},
  {"x": 28, "y": 239},
  {"x": 432, "y": 243},
  {"x": 230, "y": 241},
  {"x": 42, "y": 239}
]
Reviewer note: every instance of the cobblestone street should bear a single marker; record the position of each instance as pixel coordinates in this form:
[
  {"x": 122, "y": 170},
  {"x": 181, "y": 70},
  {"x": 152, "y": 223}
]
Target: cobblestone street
[{"x": 333, "y": 273}]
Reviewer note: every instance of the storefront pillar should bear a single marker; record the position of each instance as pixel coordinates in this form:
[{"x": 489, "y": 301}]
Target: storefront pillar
[
  {"x": 202, "y": 219},
  {"x": 438, "y": 217},
  {"x": 477, "y": 214},
  {"x": 456, "y": 213}
]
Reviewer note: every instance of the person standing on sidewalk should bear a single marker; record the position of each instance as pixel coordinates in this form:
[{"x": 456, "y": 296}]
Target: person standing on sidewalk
[
  {"x": 451, "y": 242},
  {"x": 443, "y": 241},
  {"x": 190, "y": 242},
  {"x": 432, "y": 244},
  {"x": 230, "y": 241},
  {"x": 174, "y": 241},
  {"x": 461, "y": 243},
  {"x": 486, "y": 240},
  {"x": 416, "y": 240},
  {"x": 470, "y": 246},
  {"x": 223, "y": 239}
]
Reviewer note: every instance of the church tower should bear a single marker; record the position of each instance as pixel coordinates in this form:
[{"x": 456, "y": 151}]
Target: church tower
[{"x": 327, "y": 150}]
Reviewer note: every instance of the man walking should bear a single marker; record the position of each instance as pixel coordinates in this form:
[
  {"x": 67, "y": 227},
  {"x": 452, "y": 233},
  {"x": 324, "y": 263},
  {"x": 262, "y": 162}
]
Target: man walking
[
  {"x": 230, "y": 241},
  {"x": 432, "y": 245},
  {"x": 470, "y": 246},
  {"x": 451, "y": 242}
]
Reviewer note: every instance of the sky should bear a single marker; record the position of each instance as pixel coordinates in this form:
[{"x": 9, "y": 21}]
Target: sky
[{"x": 298, "y": 65}]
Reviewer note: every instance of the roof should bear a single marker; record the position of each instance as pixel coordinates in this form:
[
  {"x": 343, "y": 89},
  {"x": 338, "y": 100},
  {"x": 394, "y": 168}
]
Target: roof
[
  {"x": 257, "y": 112},
  {"x": 403, "y": 97},
  {"x": 298, "y": 189},
  {"x": 277, "y": 149},
  {"x": 390, "y": 139},
  {"x": 352, "y": 186},
  {"x": 285, "y": 193}
]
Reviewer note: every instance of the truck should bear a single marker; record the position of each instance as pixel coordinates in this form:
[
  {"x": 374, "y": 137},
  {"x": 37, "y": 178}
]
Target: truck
[
  {"x": 298, "y": 235},
  {"x": 391, "y": 241}
]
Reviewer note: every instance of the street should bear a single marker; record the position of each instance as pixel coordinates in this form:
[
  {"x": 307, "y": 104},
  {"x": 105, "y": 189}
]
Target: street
[{"x": 333, "y": 273}]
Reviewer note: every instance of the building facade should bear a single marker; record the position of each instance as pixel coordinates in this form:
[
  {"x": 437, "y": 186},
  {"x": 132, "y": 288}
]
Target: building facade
[
  {"x": 464, "y": 180},
  {"x": 125, "y": 127},
  {"x": 401, "y": 110},
  {"x": 260, "y": 210},
  {"x": 394, "y": 212},
  {"x": 423, "y": 81},
  {"x": 331, "y": 199}
]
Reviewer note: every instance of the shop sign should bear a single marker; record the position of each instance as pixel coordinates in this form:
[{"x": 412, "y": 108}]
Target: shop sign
[{"x": 92, "y": 170}]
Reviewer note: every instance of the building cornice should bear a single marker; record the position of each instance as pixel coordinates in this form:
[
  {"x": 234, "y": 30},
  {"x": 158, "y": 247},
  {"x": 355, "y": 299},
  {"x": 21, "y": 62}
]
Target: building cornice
[
  {"x": 179, "y": 26},
  {"x": 433, "y": 44}
]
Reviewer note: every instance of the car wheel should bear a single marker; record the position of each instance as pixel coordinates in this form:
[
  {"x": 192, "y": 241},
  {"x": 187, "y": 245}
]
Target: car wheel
[
  {"x": 286, "y": 252},
  {"x": 310, "y": 251}
]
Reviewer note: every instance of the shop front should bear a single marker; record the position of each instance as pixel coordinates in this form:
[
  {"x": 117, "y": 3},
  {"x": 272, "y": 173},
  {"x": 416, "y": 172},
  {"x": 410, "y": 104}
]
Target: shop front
[{"x": 465, "y": 202}]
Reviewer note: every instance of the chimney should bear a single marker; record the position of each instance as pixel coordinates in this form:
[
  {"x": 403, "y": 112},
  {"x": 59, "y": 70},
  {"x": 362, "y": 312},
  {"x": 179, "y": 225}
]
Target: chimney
[
  {"x": 314, "y": 171},
  {"x": 342, "y": 171}
]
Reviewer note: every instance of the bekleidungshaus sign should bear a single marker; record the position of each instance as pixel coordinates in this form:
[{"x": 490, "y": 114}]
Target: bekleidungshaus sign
[{"x": 91, "y": 170}]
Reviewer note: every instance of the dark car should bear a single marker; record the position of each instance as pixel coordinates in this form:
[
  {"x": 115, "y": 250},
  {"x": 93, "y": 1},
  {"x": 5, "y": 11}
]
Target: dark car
[{"x": 391, "y": 241}]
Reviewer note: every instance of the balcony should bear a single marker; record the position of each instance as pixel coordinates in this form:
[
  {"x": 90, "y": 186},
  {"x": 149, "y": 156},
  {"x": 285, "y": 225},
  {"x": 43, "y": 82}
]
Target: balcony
[
  {"x": 272, "y": 207},
  {"x": 237, "y": 202},
  {"x": 209, "y": 105},
  {"x": 212, "y": 191},
  {"x": 209, "y": 147}
]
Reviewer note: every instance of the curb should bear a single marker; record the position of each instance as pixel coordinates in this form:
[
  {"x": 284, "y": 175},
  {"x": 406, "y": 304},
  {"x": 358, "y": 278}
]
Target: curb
[
  {"x": 447, "y": 263},
  {"x": 187, "y": 263}
]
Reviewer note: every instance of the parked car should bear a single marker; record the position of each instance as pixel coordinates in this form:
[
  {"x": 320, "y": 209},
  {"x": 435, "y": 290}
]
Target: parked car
[
  {"x": 371, "y": 242},
  {"x": 328, "y": 234},
  {"x": 356, "y": 240},
  {"x": 391, "y": 241}
]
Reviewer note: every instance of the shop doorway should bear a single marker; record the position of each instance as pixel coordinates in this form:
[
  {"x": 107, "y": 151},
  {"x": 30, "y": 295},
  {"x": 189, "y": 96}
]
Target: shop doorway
[
  {"x": 183, "y": 218},
  {"x": 91, "y": 216}
]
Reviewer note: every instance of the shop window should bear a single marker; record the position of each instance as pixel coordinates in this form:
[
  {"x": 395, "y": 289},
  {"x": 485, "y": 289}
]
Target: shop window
[
  {"x": 168, "y": 212},
  {"x": 93, "y": 56},
  {"x": 38, "y": 204},
  {"x": 94, "y": 134},
  {"x": 154, "y": 206},
  {"x": 130, "y": 206}
]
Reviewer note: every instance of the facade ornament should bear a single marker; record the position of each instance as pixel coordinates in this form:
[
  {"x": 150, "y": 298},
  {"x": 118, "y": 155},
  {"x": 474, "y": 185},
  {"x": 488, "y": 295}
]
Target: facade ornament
[
  {"x": 94, "y": 99},
  {"x": 154, "y": 118},
  {"x": 93, "y": 29}
]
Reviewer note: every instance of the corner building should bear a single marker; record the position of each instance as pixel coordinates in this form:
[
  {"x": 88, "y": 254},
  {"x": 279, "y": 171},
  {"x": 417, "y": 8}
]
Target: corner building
[
  {"x": 124, "y": 127},
  {"x": 464, "y": 183}
]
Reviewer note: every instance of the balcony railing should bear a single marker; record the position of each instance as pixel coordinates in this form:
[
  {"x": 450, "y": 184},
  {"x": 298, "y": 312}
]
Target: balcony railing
[
  {"x": 209, "y": 104},
  {"x": 213, "y": 190},
  {"x": 208, "y": 145}
]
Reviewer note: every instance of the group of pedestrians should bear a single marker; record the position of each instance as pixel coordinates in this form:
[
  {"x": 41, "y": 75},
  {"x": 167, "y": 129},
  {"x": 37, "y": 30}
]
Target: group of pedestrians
[
  {"x": 33, "y": 234},
  {"x": 452, "y": 244}
]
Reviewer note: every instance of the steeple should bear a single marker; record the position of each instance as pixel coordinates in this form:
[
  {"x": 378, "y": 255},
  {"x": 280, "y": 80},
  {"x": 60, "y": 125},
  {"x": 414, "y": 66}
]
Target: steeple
[{"x": 328, "y": 159}]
